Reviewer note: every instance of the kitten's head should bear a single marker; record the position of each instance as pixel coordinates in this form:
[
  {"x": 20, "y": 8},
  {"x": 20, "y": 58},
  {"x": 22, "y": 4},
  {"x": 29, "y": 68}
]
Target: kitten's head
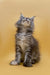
[{"x": 25, "y": 22}]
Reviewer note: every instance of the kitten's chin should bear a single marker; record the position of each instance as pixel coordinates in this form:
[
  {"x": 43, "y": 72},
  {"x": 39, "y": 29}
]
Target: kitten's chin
[{"x": 25, "y": 24}]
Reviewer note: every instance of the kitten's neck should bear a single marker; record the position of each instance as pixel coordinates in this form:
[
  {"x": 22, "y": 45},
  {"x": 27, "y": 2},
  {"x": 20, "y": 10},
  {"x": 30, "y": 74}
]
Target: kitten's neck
[
  {"x": 24, "y": 34},
  {"x": 25, "y": 31}
]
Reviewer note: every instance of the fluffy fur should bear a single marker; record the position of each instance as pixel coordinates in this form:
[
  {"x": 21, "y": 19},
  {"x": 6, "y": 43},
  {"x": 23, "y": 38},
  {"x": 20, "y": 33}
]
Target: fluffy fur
[{"x": 27, "y": 49}]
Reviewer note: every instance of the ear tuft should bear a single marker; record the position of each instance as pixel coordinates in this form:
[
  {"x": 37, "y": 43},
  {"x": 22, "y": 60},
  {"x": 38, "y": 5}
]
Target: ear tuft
[{"x": 21, "y": 16}]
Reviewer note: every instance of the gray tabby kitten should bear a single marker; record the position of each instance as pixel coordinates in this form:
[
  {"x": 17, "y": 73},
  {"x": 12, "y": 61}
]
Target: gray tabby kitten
[{"x": 27, "y": 49}]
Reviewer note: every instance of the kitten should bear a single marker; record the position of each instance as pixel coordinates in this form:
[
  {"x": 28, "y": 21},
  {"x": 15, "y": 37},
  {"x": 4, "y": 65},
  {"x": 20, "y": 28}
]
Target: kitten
[{"x": 27, "y": 49}]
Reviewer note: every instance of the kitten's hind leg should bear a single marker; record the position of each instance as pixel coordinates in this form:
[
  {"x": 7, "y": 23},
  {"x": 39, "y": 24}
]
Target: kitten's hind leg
[
  {"x": 36, "y": 60},
  {"x": 35, "y": 54},
  {"x": 17, "y": 58}
]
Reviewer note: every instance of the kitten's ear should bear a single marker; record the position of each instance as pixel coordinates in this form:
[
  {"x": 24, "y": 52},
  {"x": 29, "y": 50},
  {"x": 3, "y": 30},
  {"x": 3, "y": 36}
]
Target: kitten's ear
[
  {"x": 32, "y": 18},
  {"x": 21, "y": 16}
]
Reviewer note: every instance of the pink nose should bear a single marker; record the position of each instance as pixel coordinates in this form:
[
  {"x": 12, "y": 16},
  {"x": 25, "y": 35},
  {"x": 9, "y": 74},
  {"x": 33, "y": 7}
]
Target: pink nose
[{"x": 27, "y": 21}]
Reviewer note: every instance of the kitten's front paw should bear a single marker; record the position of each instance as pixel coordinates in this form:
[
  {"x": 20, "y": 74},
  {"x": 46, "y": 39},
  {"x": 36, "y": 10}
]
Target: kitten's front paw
[
  {"x": 27, "y": 64},
  {"x": 14, "y": 62}
]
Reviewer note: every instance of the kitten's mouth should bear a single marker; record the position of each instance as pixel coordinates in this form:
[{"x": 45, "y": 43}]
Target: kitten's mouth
[{"x": 25, "y": 23}]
